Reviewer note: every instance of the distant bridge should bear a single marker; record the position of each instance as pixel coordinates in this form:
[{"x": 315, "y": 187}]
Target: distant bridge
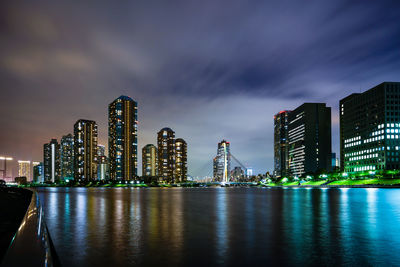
[{"x": 227, "y": 176}]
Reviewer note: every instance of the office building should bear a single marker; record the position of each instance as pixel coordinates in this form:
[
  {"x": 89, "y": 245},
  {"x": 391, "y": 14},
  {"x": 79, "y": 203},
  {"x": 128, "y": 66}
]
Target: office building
[
  {"x": 38, "y": 172},
  {"x": 166, "y": 155},
  {"x": 6, "y": 176},
  {"x": 101, "y": 150},
  {"x": 370, "y": 129},
  {"x": 335, "y": 163},
  {"x": 67, "y": 157},
  {"x": 24, "y": 169},
  {"x": 149, "y": 161},
  {"x": 281, "y": 144},
  {"x": 51, "y": 161},
  {"x": 85, "y": 150},
  {"x": 180, "y": 160},
  {"x": 222, "y": 162},
  {"x": 249, "y": 172},
  {"x": 309, "y": 134},
  {"x": 102, "y": 168},
  {"x": 215, "y": 167},
  {"x": 122, "y": 138}
]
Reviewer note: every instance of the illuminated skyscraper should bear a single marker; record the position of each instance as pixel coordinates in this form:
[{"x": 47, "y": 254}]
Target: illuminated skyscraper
[
  {"x": 222, "y": 163},
  {"x": 51, "y": 161},
  {"x": 67, "y": 157},
  {"x": 85, "y": 150},
  {"x": 309, "y": 134},
  {"x": 180, "y": 160},
  {"x": 38, "y": 172},
  {"x": 101, "y": 150},
  {"x": 149, "y": 161},
  {"x": 281, "y": 144},
  {"x": 166, "y": 155},
  {"x": 215, "y": 167},
  {"x": 102, "y": 168},
  {"x": 370, "y": 129},
  {"x": 24, "y": 169},
  {"x": 122, "y": 138}
]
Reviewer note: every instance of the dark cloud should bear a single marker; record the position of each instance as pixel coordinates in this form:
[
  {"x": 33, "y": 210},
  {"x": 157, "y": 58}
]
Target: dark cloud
[{"x": 207, "y": 69}]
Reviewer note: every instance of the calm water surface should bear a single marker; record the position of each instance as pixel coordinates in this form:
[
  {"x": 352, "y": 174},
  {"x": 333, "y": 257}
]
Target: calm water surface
[{"x": 223, "y": 226}]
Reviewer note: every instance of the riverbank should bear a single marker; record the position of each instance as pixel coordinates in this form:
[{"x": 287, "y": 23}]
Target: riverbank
[{"x": 344, "y": 183}]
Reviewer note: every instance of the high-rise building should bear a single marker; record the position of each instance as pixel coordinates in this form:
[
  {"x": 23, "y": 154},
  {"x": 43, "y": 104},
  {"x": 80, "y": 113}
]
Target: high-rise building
[
  {"x": 101, "y": 150},
  {"x": 215, "y": 167},
  {"x": 85, "y": 150},
  {"x": 180, "y": 160},
  {"x": 370, "y": 129},
  {"x": 149, "y": 161},
  {"x": 38, "y": 172},
  {"x": 237, "y": 173},
  {"x": 281, "y": 144},
  {"x": 166, "y": 155},
  {"x": 310, "y": 139},
  {"x": 122, "y": 138},
  {"x": 335, "y": 162},
  {"x": 67, "y": 157},
  {"x": 51, "y": 161},
  {"x": 222, "y": 162},
  {"x": 102, "y": 168},
  {"x": 24, "y": 169},
  {"x": 249, "y": 172},
  {"x": 5, "y": 173}
]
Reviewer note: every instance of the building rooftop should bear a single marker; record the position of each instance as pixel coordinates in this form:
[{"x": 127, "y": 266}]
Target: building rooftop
[
  {"x": 166, "y": 129},
  {"x": 124, "y": 97}
]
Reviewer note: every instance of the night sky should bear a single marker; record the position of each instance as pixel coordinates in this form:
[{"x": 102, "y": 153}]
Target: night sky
[{"x": 207, "y": 69}]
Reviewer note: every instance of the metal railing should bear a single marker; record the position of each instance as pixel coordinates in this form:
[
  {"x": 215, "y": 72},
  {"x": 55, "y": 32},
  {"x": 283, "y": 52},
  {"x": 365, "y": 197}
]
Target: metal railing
[{"x": 32, "y": 245}]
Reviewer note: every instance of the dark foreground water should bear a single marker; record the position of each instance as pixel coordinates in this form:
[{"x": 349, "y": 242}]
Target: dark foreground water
[{"x": 223, "y": 226}]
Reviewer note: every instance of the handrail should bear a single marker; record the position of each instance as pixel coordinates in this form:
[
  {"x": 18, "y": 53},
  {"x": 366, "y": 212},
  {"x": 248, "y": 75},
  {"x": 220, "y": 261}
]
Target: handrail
[{"x": 31, "y": 245}]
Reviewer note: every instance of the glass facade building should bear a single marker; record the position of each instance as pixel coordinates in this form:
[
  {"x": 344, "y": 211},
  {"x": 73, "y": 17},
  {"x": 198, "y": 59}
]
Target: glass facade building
[
  {"x": 85, "y": 150},
  {"x": 222, "y": 162},
  {"x": 122, "y": 138},
  {"x": 51, "y": 161},
  {"x": 67, "y": 157},
  {"x": 37, "y": 172},
  {"x": 309, "y": 133},
  {"x": 281, "y": 144},
  {"x": 370, "y": 129},
  {"x": 102, "y": 168}
]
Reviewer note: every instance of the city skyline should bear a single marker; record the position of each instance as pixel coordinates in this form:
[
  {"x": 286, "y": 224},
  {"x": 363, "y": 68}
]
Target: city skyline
[{"x": 228, "y": 86}]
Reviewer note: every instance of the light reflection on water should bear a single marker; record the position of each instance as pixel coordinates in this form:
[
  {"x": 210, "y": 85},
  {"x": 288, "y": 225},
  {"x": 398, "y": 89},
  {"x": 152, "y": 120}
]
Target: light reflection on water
[{"x": 223, "y": 226}]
